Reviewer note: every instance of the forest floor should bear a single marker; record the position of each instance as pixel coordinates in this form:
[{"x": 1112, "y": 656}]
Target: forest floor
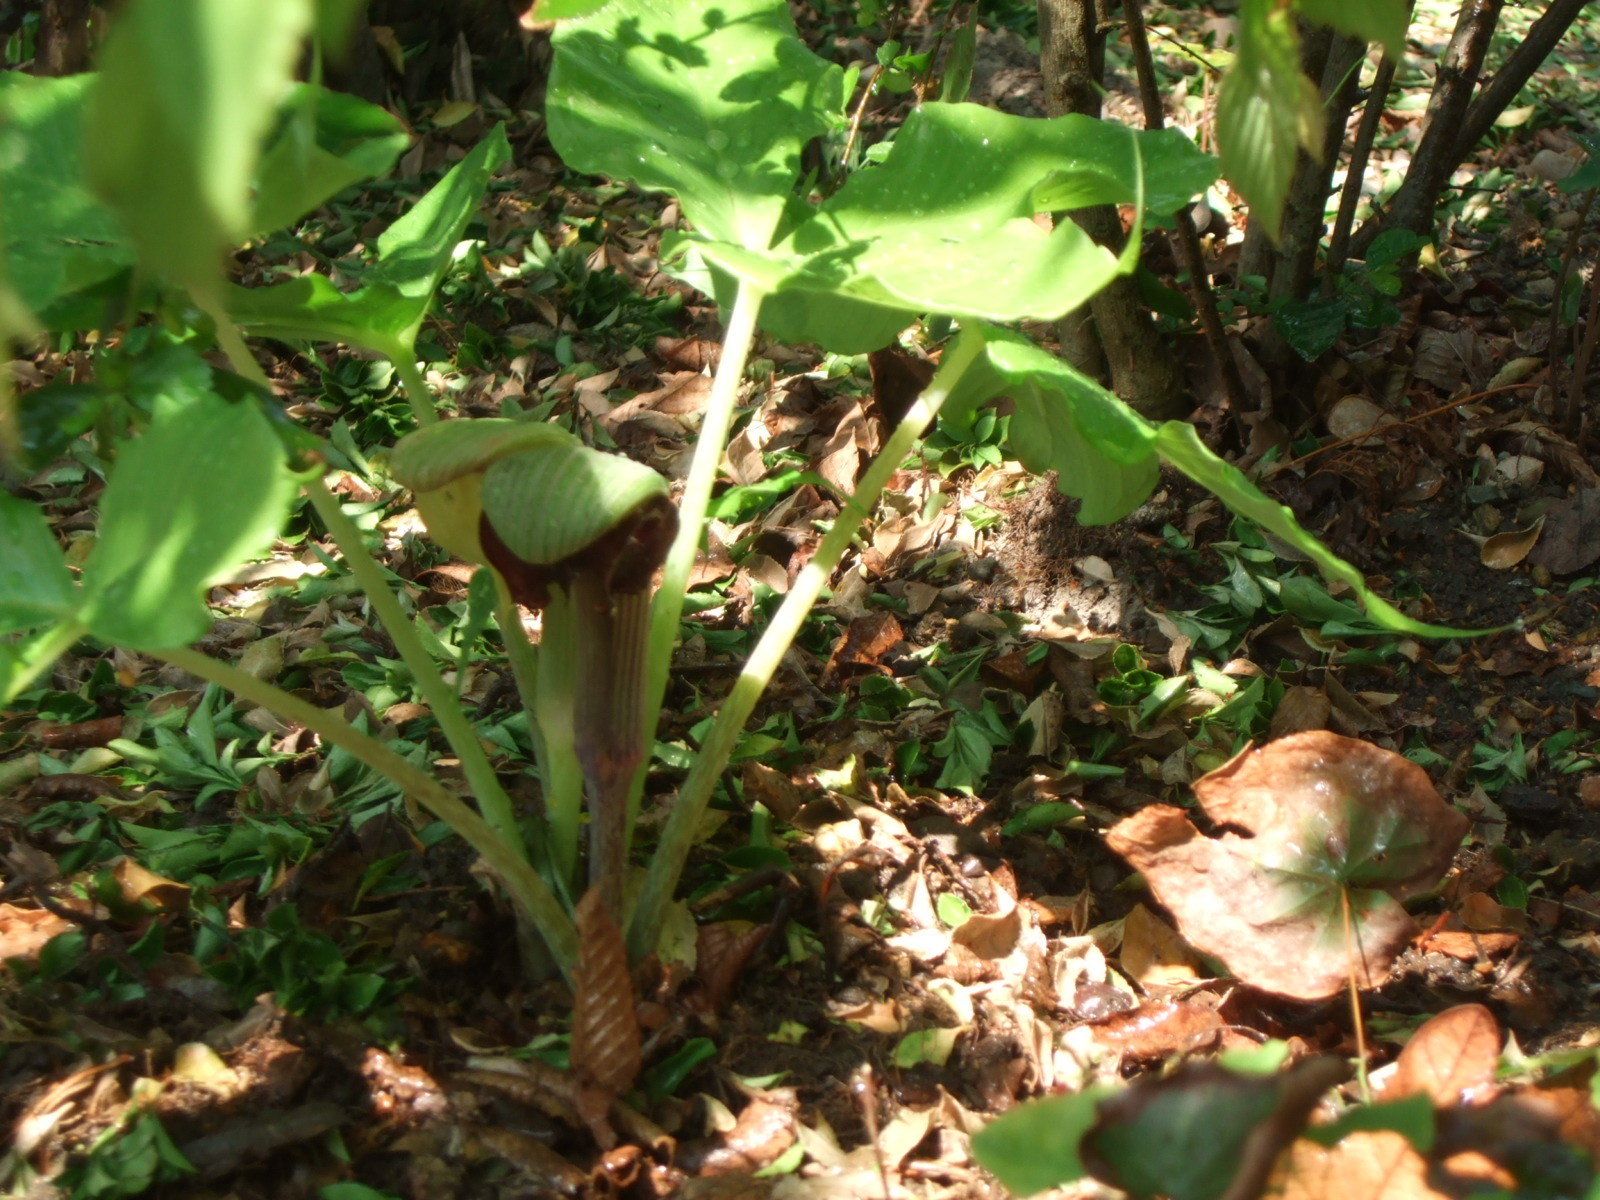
[{"x": 225, "y": 945}]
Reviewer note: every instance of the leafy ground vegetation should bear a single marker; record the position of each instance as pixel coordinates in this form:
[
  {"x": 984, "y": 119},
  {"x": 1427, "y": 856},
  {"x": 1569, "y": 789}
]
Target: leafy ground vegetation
[{"x": 1140, "y": 855}]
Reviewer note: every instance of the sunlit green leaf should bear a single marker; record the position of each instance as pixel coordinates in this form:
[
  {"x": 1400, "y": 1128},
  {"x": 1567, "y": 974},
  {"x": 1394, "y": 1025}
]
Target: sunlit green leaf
[
  {"x": 1035, "y": 1146},
  {"x": 173, "y": 518},
  {"x": 1381, "y": 21},
  {"x": 326, "y": 141},
  {"x": 710, "y": 100},
  {"x": 187, "y": 90},
  {"x": 34, "y": 584},
  {"x": 1266, "y": 110},
  {"x": 57, "y": 237}
]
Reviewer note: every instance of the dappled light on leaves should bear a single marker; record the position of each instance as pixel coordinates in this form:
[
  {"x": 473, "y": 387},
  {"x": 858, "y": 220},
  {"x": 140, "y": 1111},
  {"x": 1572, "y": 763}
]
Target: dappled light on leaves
[{"x": 1326, "y": 818}]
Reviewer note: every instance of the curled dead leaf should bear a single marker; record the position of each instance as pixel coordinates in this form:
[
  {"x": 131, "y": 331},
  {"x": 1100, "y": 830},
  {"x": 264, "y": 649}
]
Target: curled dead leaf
[
  {"x": 1505, "y": 550},
  {"x": 1452, "y": 1057}
]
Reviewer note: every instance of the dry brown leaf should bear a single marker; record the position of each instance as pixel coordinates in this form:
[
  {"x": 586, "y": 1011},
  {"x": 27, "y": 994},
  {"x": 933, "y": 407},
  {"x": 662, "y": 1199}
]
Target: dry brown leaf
[
  {"x": 24, "y": 931},
  {"x": 1152, "y": 952},
  {"x": 1505, "y": 550},
  {"x": 1376, "y": 1164},
  {"x": 1572, "y": 534},
  {"x": 605, "y": 1031},
  {"x": 1451, "y": 1058},
  {"x": 1160, "y": 1030},
  {"x": 763, "y": 1131},
  {"x": 858, "y": 649},
  {"x": 1337, "y": 825}
]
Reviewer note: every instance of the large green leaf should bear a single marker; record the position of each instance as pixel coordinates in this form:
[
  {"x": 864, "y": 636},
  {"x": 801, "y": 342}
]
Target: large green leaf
[
  {"x": 203, "y": 489},
  {"x": 413, "y": 255},
  {"x": 1101, "y": 450},
  {"x": 186, "y": 92},
  {"x": 1374, "y": 20},
  {"x": 35, "y": 587},
  {"x": 913, "y": 235},
  {"x": 57, "y": 237},
  {"x": 326, "y": 141},
  {"x": 710, "y": 100},
  {"x": 1266, "y": 110}
]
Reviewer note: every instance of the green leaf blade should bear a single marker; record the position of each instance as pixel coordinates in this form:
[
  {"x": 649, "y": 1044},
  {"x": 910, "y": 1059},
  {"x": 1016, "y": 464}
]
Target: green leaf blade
[
  {"x": 203, "y": 489},
  {"x": 34, "y": 584},
  {"x": 186, "y": 92},
  {"x": 710, "y": 100},
  {"x": 57, "y": 237}
]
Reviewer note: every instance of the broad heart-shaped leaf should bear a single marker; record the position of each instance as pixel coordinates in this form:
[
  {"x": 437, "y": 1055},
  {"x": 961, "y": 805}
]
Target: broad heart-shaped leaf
[
  {"x": 711, "y": 100},
  {"x": 57, "y": 237},
  {"x": 1266, "y": 110},
  {"x": 1375, "y": 20},
  {"x": 35, "y": 587},
  {"x": 1335, "y": 826},
  {"x": 203, "y": 489},
  {"x": 186, "y": 92},
  {"x": 326, "y": 141},
  {"x": 413, "y": 255},
  {"x": 946, "y": 224}
]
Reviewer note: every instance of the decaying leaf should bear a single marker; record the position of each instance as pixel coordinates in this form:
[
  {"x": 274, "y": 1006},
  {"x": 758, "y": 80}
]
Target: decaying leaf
[
  {"x": 1450, "y": 1058},
  {"x": 1327, "y": 820},
  {"x": 1572, "y": 534},
  {"x": 605, "y": 1031},
  {"x": 1372, "y": 1164},
  {"x": 1505, "y": 550}
]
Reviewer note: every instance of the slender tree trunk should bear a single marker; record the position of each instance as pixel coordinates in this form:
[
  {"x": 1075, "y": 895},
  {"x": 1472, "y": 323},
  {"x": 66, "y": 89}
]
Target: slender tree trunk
[
  {"x": 1143, "y": 371},
  {"x": 63, "y": 46},
  {"x": 1186, "y": 235},
  {"x": 1360, "y": 152},
  {"x": 1519, "y": 67},
  {"x": 1296, "y": 264},
  {"x": 1414, "y": 204}
]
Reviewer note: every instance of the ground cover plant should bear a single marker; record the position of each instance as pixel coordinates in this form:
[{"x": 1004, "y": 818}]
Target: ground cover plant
[{"x": 714, "y": 105}]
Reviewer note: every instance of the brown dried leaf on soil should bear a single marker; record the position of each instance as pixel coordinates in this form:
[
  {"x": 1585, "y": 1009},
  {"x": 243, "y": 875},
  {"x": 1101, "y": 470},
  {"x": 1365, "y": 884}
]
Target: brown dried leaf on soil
[
  {"x": 24, "y": 931},
  {"x": 1331, "y": 822},
  {"x": 605, "y": 1031},
  {"x": 858, "y": 649},
  {"x": 765, "y": 1128},
  {"x": 1450, "y": 1058},
  {"x": 1376, "y": 1164},
  {"x": 1571, "y": 534}
]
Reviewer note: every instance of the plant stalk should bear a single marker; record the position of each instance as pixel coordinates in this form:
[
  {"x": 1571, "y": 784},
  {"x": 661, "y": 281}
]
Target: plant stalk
[
  {"x": 527, "y": 890},
  {"x": 677, "y": 839},
  {"x": 415, "y": 387},
  {"x": 560, "y": 778},
  {"x": 458, "y": 731},
  {"x": 710, "y": 446}
]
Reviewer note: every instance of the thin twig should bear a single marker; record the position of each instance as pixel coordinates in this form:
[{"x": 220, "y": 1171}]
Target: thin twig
[
  {"x": 1414, "y": 417},
  {"x": 1360, "y": 152},
  {"x": 1188, "y": 237},
  {"x": 1568, "y": 255}
]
